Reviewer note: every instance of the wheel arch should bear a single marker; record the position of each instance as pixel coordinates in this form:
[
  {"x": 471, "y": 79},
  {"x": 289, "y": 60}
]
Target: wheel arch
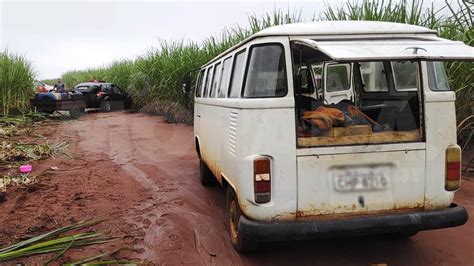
[{"x": 197, "y": 146}]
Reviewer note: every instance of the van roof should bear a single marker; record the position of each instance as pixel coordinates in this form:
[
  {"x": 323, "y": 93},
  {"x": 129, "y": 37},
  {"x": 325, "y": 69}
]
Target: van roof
[
  {"x": 331, "y": 28},
  {"x": 348, "y": 27}
]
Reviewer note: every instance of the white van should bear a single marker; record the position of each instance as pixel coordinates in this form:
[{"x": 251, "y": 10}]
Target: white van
[{"x": 332, "y": 128}]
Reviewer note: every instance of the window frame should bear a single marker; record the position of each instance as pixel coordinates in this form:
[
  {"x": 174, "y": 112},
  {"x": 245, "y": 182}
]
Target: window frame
[
  {"x": 431, "y": 76},
  {"x": 224, "y": 95},
  {"x": 217, "y": 67},
  {"x": 206, "y": 89},
  {"x": 326, "y": 76},
  {"x": 395, "y": 78},
  {"x": 234, "y": 57},
  {"x": 388, "y": 77},
  {"x": 319, "y": 92},
  {"x": 249, "y": 54},
  {"x": 198, "y": 90}
]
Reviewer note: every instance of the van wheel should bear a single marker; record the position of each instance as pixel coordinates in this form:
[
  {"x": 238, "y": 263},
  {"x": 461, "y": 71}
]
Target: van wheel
[
  {"x": 207, "y": 179},
  {"x": 105, "y": 106},
  {"x": 239, "y": 242}
]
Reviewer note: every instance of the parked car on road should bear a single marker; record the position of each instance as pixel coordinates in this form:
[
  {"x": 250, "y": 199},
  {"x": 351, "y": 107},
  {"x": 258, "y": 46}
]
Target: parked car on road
[
  {"x": 104, "y": 95},
  {"x": 331, "y": 128}
]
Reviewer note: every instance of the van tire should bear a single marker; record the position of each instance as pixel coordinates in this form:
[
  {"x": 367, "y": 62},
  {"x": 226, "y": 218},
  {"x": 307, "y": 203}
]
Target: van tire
[
  {"x": 239, "y": 242},
  {"x": 207, "y": 179}
]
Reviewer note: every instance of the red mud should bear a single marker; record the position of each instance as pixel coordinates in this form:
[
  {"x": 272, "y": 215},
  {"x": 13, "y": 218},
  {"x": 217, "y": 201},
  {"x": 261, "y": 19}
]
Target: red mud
[{"x": 142, "y": 175}]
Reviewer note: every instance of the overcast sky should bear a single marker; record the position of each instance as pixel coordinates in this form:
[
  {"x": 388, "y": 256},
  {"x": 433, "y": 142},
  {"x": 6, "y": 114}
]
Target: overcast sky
[{"x": 58, "y": 36}]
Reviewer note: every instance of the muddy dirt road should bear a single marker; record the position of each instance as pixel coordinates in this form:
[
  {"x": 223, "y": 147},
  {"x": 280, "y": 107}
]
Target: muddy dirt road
[{"x": 143, "y": 174}]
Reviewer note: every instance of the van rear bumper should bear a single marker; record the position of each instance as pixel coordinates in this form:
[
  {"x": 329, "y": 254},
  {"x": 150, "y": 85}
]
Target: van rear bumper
[{"x": 391, "y": 223}]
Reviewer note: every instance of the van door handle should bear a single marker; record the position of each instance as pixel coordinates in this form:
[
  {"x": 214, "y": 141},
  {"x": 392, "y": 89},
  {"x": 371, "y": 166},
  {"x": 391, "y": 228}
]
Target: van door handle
[{"x": 198, "y": 115}]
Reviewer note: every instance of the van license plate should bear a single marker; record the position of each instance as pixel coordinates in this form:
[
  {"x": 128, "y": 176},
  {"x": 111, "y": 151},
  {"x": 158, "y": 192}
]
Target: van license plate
[{"x": 361, "y": 179}]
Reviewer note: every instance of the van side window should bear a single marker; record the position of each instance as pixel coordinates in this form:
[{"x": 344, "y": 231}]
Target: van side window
[
  {"x": 237, "y": 72},
  {"x": 266, "y": 72},
  {"x": 215, "y": 80},
  {"x": 203, "y": 90},
  {"x": 199, "y": 83},
  {"x": 208, "y": 84},
  {"x": 338, "y": 77},
  {"x": 437, "y": 78},
  {"x": 405, "y": 75},
  {"x": 225, "y": 78}
]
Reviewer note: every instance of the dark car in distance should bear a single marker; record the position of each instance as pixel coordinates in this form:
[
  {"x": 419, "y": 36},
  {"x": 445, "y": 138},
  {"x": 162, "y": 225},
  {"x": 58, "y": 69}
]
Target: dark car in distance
[{"x": 104, "y": 95}]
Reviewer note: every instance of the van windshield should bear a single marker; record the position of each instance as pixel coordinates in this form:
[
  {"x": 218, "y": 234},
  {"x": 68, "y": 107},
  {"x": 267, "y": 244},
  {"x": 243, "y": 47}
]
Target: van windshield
[{"x": 361, "y": 102}]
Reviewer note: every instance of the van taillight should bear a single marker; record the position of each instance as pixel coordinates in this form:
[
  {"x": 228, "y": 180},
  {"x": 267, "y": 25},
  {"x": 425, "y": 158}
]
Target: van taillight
[
  {"x": 262, "y": 180},
  {"x": 453, "y": 168}
]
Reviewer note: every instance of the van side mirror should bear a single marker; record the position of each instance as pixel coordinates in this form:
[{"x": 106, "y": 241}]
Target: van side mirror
[{"x": 186, "y": 83}]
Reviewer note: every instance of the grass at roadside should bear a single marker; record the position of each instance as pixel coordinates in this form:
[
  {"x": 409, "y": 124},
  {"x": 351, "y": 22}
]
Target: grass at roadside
[{"x": 16, "y": 82}]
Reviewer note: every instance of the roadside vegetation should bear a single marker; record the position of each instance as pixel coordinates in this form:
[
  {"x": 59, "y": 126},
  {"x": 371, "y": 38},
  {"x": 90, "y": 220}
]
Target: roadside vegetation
[
  {"x": 155, "y": 77},
  {"x": 16, "y": 83}
]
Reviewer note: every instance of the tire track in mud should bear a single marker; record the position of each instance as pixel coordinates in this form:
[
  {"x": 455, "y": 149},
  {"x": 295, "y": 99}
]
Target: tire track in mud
[{"x": 177, "y": 223}]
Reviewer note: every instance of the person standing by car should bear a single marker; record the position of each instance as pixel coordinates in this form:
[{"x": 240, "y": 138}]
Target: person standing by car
[{"x": 59, "y": 87}]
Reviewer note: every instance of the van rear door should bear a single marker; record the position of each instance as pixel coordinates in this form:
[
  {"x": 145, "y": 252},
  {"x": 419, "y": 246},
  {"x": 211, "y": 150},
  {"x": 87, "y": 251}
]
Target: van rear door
[
  {"x": 348, "y": 180},
  {"x": 369, "y": 178}
]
